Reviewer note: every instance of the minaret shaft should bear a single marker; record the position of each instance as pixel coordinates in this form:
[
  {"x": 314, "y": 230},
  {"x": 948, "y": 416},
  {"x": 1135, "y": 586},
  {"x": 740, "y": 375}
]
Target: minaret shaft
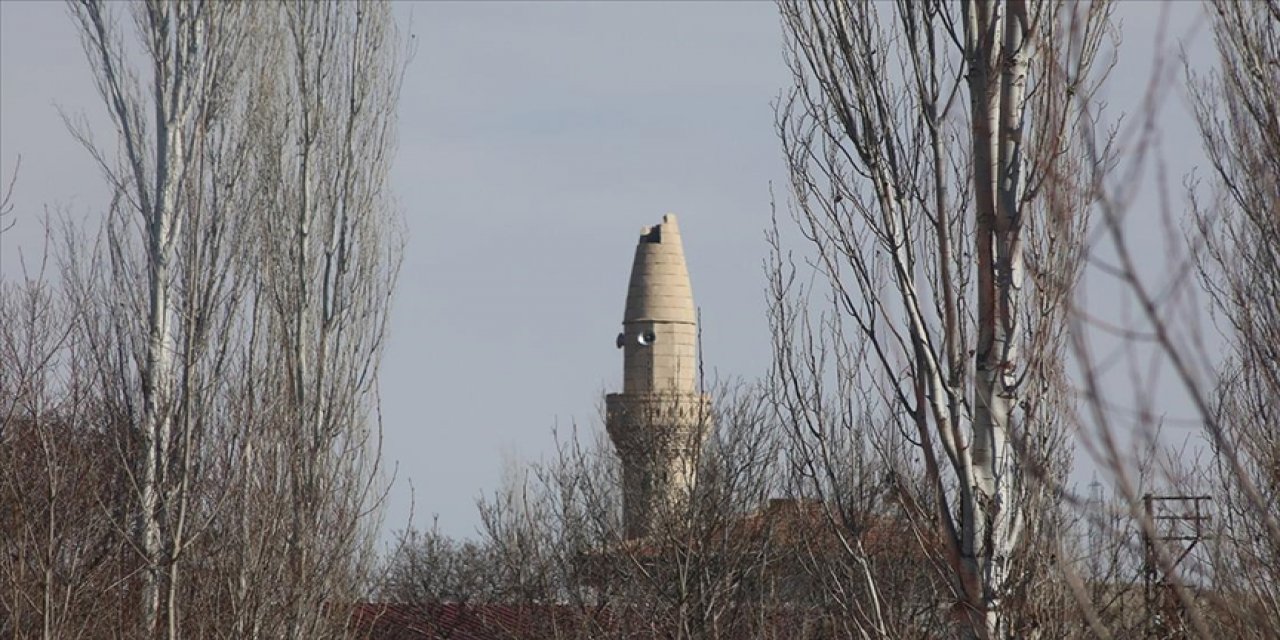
[{"x": 659, "y": 421}]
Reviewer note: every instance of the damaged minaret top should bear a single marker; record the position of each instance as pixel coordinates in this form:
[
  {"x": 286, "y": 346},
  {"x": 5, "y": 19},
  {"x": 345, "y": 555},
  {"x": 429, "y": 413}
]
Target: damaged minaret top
[{"x": 660, "y": 329}]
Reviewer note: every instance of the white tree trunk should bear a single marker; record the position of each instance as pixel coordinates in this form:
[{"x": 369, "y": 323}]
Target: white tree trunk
[
  {"x": 188, "y": 63},
  {"x": 997, "y": 143}
]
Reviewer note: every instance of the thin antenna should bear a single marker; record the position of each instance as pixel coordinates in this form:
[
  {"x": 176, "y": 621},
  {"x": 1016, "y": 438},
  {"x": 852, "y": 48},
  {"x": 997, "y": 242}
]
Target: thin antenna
[
  {"x": 1095, "y": 520},
  {"x": 702, "y": 374}
]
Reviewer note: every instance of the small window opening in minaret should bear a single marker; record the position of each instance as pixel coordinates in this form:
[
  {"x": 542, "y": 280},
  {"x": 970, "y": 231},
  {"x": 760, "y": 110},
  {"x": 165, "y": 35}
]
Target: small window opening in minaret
[{"x": 651, "y": 234}]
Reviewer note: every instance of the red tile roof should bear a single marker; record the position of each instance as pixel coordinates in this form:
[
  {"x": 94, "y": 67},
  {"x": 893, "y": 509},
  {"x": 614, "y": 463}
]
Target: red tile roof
[{"x": 468, "y": 621}]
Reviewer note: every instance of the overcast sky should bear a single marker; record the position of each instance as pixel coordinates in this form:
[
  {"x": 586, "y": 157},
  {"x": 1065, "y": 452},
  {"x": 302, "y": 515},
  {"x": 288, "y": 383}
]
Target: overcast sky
[{"x": 535, "y": 140}]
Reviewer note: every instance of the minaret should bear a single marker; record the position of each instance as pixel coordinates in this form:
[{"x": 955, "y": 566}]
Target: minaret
[{"x": 659, "y": 421}]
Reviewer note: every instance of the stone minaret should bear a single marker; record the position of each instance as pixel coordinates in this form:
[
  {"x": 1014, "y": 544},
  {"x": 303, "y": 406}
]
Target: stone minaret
[{"x": 659, "y": 421}]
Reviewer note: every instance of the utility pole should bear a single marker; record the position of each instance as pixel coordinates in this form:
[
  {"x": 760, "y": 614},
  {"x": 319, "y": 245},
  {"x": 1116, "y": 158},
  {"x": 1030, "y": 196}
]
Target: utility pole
[{"x": 1177, "y": 522}]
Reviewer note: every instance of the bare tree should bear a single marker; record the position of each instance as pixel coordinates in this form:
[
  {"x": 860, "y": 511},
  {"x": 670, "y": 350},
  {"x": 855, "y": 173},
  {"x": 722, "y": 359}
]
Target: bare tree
[
  {"x": 328, "y": 256},
  {"x": 722, "y": 563},
  {"x": 233, "y": 309},
  {"x": 164, "y": 289},
  {"x": 1208, "y": 569},
  {"x": 714, "y": 568},
  {"x": 1237, "y": 107},
  {"x": 59, "y": 553},
  {"x": 945, "y": 240},
  {"x": 429, "y": 567}
]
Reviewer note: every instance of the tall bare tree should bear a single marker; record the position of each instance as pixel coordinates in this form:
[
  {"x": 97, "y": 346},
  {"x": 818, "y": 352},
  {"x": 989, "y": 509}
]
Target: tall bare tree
[
  {"x": 163, "y": 282},
  {"x": 1207, "y": 568},
  {"x": 1237, "y": 107},
  {"x": 946, "y": 239},
  {"x": 329, "y": 255},
  {"x": 236, "y": 303}
]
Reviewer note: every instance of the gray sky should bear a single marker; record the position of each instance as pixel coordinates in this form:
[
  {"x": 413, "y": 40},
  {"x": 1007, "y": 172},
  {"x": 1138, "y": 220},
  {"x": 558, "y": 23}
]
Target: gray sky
[{"x": 535, "y": 140}]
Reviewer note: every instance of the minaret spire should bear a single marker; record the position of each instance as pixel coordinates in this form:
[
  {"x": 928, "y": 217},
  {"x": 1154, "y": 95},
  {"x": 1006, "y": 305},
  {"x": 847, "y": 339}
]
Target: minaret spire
[{"x": 658, "y": 422}]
